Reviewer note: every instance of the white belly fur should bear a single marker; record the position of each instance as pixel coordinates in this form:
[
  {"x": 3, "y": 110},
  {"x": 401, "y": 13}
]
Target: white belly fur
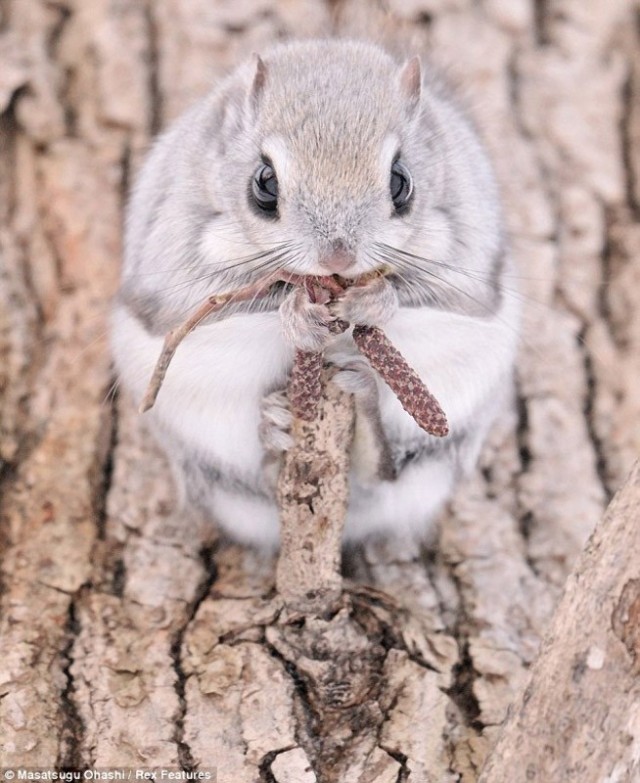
[{"x": 211, "y": 393}]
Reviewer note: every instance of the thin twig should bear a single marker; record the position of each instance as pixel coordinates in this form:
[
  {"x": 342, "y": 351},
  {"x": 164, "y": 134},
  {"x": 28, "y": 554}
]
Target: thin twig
[
  {"x": 371, "y": 341},
  {"x": 211, "y": 305}
]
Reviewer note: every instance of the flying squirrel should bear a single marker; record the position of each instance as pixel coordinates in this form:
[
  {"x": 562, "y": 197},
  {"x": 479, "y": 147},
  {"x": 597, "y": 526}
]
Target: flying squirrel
[{"x": 320, "y": 157}]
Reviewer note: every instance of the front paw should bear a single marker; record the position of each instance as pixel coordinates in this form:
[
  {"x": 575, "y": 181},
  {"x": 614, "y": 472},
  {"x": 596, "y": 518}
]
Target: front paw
[
  {"x": 275, "y": 423},
  {"x": 373, "y": 304},
  {"x": 371, "y": 455},
  {"x": 355, "y": 376},
  {"x": 275, "y": 435},
  {"x": 305, "y": 324}
]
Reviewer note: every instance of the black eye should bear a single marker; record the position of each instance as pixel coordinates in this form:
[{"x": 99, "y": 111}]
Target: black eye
[
  {"x": 264, "y": 188},
  {"x": 401, "y": 187}
]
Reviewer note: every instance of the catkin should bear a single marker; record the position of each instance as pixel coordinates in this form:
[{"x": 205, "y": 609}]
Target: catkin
[
  {"x": 305, "y": 384},
  {"x": 405, "y": 383}
]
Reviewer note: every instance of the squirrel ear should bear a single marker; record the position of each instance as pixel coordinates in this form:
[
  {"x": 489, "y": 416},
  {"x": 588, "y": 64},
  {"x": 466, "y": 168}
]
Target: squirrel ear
[
  {"x": 411, "y": 80},
  {"x": 259, "y": 80}
]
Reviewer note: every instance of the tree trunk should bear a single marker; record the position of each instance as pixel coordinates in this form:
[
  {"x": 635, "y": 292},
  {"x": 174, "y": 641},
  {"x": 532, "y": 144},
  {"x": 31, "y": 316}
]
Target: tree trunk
[
  {"x": 582, "y": 706},
  {"x": 131, "y": 636}
]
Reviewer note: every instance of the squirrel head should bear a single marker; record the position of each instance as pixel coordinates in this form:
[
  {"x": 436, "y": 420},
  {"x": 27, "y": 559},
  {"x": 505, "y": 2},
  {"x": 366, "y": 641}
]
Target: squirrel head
[
  {"x": 320, "y": 147},
  {"x": 320, "y": 157}
]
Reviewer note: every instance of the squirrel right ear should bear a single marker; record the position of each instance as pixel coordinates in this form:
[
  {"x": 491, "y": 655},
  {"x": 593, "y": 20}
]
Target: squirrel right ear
[
  {"x": 259, "y": 81},
  {"x": 411, "y": 81}
]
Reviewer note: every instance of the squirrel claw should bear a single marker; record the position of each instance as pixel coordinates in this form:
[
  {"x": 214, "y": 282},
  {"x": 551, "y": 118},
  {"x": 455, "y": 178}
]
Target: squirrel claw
[
  {"x": 306, "y": 325},
  {"x": 373, "y": 304}
]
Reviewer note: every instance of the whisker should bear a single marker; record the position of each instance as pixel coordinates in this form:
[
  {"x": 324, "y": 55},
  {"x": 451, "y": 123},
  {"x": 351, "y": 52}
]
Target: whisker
[
  {"x": 475, "y": 275},
  {"x": 111, "y": 394},
  {"x": 412, "y": 284},
  {"x": 403, "y": 257},
  {"x": 270, "y": 265},
  {"x": 396, "y": 256},
  {"x": 224, "y": 271},
  {"x": 235, "y": 262}
]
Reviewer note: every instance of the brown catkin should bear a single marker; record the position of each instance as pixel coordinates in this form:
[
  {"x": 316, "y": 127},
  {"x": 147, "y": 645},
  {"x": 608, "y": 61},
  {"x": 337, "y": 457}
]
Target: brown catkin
[
  {"x": 414, "y": 396},
  {"x": 305, "y": 384}
]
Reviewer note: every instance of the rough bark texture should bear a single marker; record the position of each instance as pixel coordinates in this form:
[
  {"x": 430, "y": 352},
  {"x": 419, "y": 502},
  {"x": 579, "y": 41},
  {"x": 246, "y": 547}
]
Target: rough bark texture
[
  {"x": 313, "y": 490},
  {"x": 132, "y": 636},
  {"x": 591, "y": 661}
]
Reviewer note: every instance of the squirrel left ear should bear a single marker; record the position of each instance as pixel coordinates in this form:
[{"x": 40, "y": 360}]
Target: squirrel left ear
[
  {"x": 411, "y": 81},
  {"x": 259, "y": 80}
]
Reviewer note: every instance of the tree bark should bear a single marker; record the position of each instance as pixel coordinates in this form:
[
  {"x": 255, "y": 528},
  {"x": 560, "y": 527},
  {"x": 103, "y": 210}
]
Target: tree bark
[
  {"x": 313, "y": 491},
  {"x": 579, "y": 718},
  {"x": 131, "y": 635}
]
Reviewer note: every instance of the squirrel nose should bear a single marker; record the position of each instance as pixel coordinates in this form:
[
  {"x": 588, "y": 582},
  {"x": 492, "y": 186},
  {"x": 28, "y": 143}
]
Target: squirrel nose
[{"x": 338, "y": 259}]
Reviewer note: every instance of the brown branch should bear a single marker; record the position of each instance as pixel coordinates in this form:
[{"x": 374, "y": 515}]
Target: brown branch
[
  {"x": 172, "y": 341},
  {"x": 313, "y": 483},
  {"x": 312, "y": 497}
]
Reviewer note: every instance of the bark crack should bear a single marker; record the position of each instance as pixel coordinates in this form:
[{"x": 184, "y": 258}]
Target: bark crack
[
  {"x": 67, "y": 73},
  {"x": 304, "y": 732},
  {"x": 404, "y": 772},
  {"x": 103, "y": 478},
  {"x": 264, "y": 768},
  {"x": 73, "y": 729},
  {"x": 628, "y": 99},
  {"x": 184, "y": 751},
  {"x": 155, "y": 93},
  {"x": 524, "y": 517},
  {"x": 463, "y": 673},
  {"x": 590, "y": 418},
  {"x": 461, "y": 691}
]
